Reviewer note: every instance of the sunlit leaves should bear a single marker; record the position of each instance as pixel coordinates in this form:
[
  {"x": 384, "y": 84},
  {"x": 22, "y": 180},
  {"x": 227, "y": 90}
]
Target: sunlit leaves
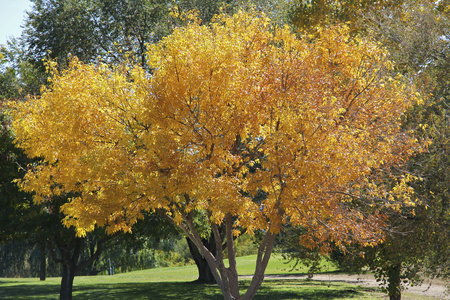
[{"x": 314, "y": 115}]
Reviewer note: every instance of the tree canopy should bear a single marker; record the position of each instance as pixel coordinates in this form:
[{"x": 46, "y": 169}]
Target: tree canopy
[{"x": 312, "y": 119}]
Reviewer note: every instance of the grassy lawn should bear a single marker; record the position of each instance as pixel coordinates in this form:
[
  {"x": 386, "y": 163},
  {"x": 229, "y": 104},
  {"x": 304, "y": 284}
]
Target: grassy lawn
[{"x": 174, "y": 283}]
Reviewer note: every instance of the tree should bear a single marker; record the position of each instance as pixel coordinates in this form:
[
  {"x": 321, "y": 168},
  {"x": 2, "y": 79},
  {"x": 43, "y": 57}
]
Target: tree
[
  {"x": 416, "y": 35},
  {"x": 417, "y": 242},
  {"x": 18, "y": 77},
  {"x": 126, "y": 27},
  {"x": 318, "y": 117},
  {"x": 115, "y": 30},
  {"x": 94, "y": 30},
  {"x": 62, "y": 27},
  {"x": 307, "y": 15},
  {"x": 38, "y": 224},
  {"x": 66, "y": 248}
]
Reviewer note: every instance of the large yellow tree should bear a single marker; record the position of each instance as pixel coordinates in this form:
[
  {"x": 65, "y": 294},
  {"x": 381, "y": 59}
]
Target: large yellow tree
[{"x": 228, "y": 110}]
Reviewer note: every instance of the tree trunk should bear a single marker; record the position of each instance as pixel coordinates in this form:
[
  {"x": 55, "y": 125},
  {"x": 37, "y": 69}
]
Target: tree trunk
[
  {"x": 70, "y": 251},
  {"x": 262, "y": 260},
  {"x": 43, "y": 262},
  {"x": 394, "y": 288},
  {"x": 232, "y": 269},
  {"x": 68, "y": 275},
  {"x": 204, "y": 271},
  {"x": 227, "y": 278}
]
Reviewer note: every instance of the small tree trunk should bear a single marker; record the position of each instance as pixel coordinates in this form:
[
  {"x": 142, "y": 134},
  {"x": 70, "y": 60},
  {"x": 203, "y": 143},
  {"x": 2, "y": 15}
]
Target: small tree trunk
[
  {"x": 394, "y": 288},
  {"x": 43, "y": 262},
  {"x": 232, "y": 270},
  {"x": 262, "y": 260},
  {"x": 219, "y": 263},
  {"x": 68, "y": 275}
]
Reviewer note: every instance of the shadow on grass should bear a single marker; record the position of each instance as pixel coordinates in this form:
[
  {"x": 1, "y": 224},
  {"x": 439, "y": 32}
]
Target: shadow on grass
[
  {"x": 29, "y": 291},
  {"x": 271, "y": 289},
  {"x": 308, "y": 289}
]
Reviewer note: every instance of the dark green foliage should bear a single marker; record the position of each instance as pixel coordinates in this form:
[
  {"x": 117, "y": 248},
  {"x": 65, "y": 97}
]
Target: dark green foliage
[
  {"x": 94, "y": 30},
  {"x": 61, "y": 27},
  {"x": 154, "y": 243},
  {"x": 16, "y": 205}
]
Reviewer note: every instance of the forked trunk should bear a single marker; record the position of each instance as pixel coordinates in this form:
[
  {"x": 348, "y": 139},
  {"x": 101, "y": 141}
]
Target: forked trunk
[
  {"x": 262, "y": 260},
  {"x": 227, "y": 278}
]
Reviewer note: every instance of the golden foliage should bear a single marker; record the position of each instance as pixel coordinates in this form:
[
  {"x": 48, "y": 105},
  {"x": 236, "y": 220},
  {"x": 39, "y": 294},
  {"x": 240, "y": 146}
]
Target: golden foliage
[{"x": 314, "y": 116}]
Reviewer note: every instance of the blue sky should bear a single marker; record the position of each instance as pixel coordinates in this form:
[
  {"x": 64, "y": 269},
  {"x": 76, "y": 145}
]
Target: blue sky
[{"x": 12, "y": 16}]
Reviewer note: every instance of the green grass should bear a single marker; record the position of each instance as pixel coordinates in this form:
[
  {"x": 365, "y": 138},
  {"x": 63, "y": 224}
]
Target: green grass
[{"x": 175, "y": 283}]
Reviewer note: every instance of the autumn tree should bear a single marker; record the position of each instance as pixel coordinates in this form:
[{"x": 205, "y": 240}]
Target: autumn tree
[
  {"x": 316, "y": 116},
  {"x": 109, "y": 31}
]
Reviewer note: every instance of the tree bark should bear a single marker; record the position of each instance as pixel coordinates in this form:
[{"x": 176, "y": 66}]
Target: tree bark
[
  {"x": 227, "y": 278},
  {"x": 70, "y": 253},
  {"x": 68, "y": 275},
  {"x": 394, "y": 288},
  {"x": 262, "y": 260},
  {"x": 43, "y": 262},
  {"x": 220, "y": 265},
  {"x": 232, "y": 269},
  {"x": 204, "y": 271},
  {"x": 189, "y": 229}
]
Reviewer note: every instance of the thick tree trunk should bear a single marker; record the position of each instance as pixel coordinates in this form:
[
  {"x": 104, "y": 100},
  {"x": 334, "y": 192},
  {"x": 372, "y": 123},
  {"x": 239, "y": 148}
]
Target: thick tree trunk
[
  {"x": 204, "y": 271},
  {"x": 68, "y": 275},
  {"x": 394, "y": 288},
  {"x": 70, "y": 253}
]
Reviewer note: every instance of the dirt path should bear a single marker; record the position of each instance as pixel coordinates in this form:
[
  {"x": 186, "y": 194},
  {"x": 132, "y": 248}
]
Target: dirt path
[{"x": 436, "y": 290}]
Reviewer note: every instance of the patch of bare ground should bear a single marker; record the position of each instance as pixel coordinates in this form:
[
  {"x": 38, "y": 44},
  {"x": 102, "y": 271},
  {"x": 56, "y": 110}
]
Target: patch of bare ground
[{"x": 431, "y": 289}]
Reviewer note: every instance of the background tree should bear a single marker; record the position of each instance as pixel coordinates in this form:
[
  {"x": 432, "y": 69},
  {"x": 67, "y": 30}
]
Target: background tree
[
  {"x": 183, "y": 139},
  {"x": 94, "y": 30},
  {"x": 112, "y": 31},
  {"x": 416, "y": 34},
  {"x": 39, "y": 224},
  {"x": 60, "y": 28},
  {"x": 417, "y": 37},
  {"x": 18, "y": 77},
  {"x": 311, "y": 14}
]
